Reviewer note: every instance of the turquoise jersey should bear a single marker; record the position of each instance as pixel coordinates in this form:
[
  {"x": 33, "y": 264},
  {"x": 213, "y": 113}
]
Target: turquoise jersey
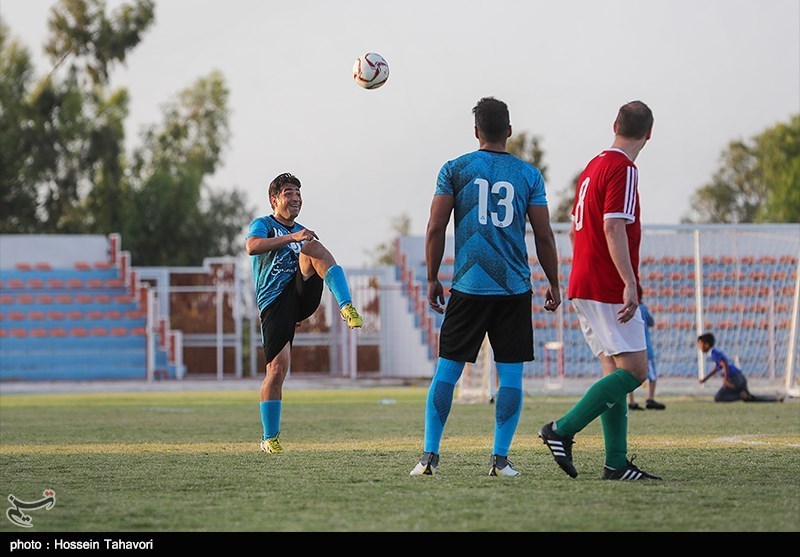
[
  {"x": 492, "y": 192},
  {"x": 273, "y": 270}
]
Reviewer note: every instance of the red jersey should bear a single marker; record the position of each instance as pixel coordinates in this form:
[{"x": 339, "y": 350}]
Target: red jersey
[{"x": 607, "y": 188}]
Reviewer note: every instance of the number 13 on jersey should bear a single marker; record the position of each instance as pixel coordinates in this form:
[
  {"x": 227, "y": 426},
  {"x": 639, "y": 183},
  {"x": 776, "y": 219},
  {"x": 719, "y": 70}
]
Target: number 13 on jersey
[{"x": 507, "y": 191}]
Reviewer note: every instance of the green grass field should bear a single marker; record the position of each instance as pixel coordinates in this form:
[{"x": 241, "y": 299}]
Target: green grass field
[{"x": 189, "y": 462}]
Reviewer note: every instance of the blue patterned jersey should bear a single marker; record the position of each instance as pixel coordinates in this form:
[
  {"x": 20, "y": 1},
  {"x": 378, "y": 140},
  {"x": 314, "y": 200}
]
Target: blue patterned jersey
[
  {"x": 274, "y": 269},
  {"x": 492, "y": 192}
]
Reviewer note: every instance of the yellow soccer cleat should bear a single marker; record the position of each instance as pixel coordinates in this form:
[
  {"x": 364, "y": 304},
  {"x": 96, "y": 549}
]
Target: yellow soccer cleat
[
  {"x": 272, "y": 445},
  {"x": 351, "y": 317}
]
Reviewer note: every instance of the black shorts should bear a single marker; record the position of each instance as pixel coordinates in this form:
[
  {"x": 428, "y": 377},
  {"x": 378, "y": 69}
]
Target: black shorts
[
  {"x": 299, "y": 299},
  {"x": 467, "y": 320}
]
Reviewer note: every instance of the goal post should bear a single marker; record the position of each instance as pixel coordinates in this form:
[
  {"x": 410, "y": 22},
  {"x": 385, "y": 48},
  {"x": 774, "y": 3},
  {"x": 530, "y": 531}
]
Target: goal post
[
  {"x": 554, "y": 364},
  {"x": 478, "y": 381}
]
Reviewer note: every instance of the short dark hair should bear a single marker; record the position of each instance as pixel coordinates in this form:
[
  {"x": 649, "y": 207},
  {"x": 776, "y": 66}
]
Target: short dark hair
[
  {"x": 491, "y": 118},
  {"x": 634, "y": 120},
  {"x": 280, "y": 181},
  {"x": 707, "y": 338}
]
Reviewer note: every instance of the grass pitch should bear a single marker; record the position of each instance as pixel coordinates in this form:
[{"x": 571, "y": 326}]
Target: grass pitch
[{"x": 190, "y": 462}]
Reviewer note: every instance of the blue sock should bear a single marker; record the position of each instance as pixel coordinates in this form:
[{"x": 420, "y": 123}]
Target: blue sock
[
  {"x": 271, "y": 417},
  {"x": 337, "y": 284},
  {"x": 440, "y": 399},
  {"x": 508, "y": 405}
]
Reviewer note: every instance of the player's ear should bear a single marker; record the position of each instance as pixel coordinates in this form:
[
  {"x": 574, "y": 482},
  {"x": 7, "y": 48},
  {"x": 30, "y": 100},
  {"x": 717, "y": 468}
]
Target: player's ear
[
  {"x": 477, "y": 133},
  {"x": 509, "y": 131}
]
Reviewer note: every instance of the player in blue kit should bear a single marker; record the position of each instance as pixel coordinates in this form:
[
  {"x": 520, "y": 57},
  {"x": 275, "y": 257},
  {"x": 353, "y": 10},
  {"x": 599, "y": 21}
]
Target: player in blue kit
[
  {"x": 734, "y": 382},
  {"x": 491, "y": 194},
  {"x": 289, "y": 267}
]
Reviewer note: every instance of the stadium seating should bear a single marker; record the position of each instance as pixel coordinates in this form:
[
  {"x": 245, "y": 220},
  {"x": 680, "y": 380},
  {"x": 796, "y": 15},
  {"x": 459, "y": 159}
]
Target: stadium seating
[
  {"x": 747, "y": 303},
  {"x": 85, "y": 321}
]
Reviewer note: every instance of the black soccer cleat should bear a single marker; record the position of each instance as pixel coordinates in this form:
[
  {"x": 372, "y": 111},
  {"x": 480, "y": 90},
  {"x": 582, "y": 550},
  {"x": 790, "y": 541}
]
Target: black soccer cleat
[
  {"x": 651, "y": 404},
  {"x": 634, "y": 406},
  {"x": 561, "y": 448},
  {"x": 629, "y": 472}
]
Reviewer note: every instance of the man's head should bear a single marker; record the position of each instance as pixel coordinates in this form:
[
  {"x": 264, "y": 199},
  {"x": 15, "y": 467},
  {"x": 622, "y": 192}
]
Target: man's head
[
  {"x": 706, "y": 341},
  {"x": 284, "y": 196},
  {"x": 634, "y": 121},
  {"x": 492, "y": 120},
  {"x": 276, "y": 186}
]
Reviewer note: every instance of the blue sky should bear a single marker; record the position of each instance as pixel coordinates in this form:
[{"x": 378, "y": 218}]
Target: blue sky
[{"x": 712, "y": 72}]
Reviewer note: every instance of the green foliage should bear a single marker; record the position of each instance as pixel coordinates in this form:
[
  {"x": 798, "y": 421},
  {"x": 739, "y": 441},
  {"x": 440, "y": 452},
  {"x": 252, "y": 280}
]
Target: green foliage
[
  {"x": 528, "y": 148},
  {"x": 778, "y": 151},
  {"x": 64, "y": 164},
  {"x": 125, "y": 462},
  {"x": 17, "y": 197},
  {"x": 566, "y": 197},
  {"x": 756, "y": 182},
  {"x": 384, "y": 253}
]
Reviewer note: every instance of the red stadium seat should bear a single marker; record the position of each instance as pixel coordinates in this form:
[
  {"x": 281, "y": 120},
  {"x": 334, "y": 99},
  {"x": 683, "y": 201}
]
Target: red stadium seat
[
  {"x": 98, "y": 332},
  {"x": 82, "y": 266},
  {"x": 115, "y": 283},
  {"x": 36, "y": 315},
  {"x": 6, "y": 299},
  {"x": 103, "y": 265},
  {"x": 24, "y": 299},
  {"x": 45, "y": 299},
  {"x": 58, "y": 332},
  {"x": 23, "y": 266},
  {"x": 119, "y": 332},
  {"x": 139, "y": 331},
  {"x": 94, "y": 315},
  {"x": 63, "y": 299},
  {"x": 77, "y": 332},
  {"x": 102, "y": 299},
  {"x": 74, "y": 315},
  {"x": 55, "y": 283},
  {"x": 15, "y": 283},
  {"x": 43, "y": 267},
  {"x": 15, "y": 315},
  {"x": 74, "y": 283},
  {"x": 18, "y": 333},
  {"x": 83, "y": 299},
  {"x": 55, "y": 315},
  {"x": 38, "y": 333},
  {"x": 113, "y": 314},
  {"x": 95, "y": 283},
  {"x": 35, "y": 283}
]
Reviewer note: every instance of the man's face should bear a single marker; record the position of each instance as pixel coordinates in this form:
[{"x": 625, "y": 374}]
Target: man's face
[
  {"x": 288, "y": 202},
  {"x": 703, "y": 346}
]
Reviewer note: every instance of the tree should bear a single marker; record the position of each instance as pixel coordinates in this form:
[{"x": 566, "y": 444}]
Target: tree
[
  {"x": 756, "y": 182},
  {"x": 528, "y": 149},
  {"x": 175, "y": 219},
  {"x": 563, "y": 210},
  {"x": 735, "y": 191},
  {"x": 64, "y": 164},
  {"x": 778, "y": 160},
  {"x": 17, "y": 200},
  {"x": 384, "y": 253}
]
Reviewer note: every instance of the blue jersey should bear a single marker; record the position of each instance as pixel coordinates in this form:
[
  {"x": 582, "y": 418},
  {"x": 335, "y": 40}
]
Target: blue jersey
[
  {"x": 273, "y": 270},
  {"x": 718, "y": 356},
  {"x": 648, "y": 323},
  {"x": 492, "y": 192}
]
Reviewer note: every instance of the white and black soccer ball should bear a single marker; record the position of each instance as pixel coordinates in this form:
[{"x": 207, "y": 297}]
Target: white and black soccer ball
[{"x": 371, "y": 70}]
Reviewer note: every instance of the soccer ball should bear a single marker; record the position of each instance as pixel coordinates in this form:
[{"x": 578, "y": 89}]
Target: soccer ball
[{"x": 370, "y": 71}]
